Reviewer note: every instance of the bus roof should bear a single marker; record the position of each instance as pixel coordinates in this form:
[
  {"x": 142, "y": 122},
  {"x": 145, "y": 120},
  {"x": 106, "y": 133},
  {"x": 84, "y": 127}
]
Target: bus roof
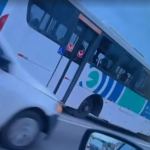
[{"x": 109, "y": 31}]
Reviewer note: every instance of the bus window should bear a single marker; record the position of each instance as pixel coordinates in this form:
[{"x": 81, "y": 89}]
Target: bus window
[
  {"x": 134, "y": 68},
  {"x": 82, "y": 37},
  {"x": 36, "y": 16},
  {"x": 74, "y": 39},
  {"x": 83, "y": 46},
  {"x": 142, "y": 86},
  {"x": 119, "y": 72},
  {"x": 113, "y": 55},
  {"x": 123, "y": 73},
  {"x": 111, "y": 58},
  {"x": 44, "y": 22},
  {"x": 49, "y": 18},
  {"x": 147, "y": 87},
  {"x": 61, "y": 31},
  {"x": 99, "y": 58},
  {"x": 139, "y": 86},
  {"x": 103, "y": 56}
]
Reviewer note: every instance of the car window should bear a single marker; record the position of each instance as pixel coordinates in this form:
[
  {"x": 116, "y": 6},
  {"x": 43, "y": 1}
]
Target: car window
[
  {"x": 97, "y": 143},
  {"x": 127, "y": 147}
]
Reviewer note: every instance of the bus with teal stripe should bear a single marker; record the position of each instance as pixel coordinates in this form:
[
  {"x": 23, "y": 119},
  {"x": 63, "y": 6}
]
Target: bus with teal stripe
[{"x": 86, "y": 64}]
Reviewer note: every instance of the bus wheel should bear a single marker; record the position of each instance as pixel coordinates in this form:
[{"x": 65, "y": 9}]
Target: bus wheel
[
  {"x": 84, "y": 109},
  {"x": 21, "y": 131}
]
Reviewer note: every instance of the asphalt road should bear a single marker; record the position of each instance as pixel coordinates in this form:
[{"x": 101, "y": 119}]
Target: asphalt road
[{"x": 68, "y": 134}]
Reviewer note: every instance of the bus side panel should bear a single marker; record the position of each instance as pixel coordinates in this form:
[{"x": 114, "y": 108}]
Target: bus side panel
[
  {"x": 16, "y": 22},
  {"x": 40, "y": 52},
  {"x": 58, "y": 73},
  {"x": 109, "y": 112},
  {"x": 2, "y": 5},
  {"x": 67, "y": 80},
  {"x": 15, "y": 27},
  {"x": 39, "y": 73},
  {"x": 88, "y": 84},
  {"x": 99, "y": 83}
]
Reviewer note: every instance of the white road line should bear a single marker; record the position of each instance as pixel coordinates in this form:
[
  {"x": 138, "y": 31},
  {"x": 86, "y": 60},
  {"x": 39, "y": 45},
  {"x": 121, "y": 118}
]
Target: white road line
[
  {"x": 77, "y": 124},
  {"x": 88, "y": 127},
  {"x": 143, "y": 144}
]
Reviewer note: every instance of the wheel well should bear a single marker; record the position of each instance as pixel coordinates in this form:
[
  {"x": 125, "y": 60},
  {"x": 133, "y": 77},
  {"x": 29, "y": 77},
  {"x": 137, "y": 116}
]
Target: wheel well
[
  {"x": 97, "y": 104},
  {"x": 45, "y": 125}
]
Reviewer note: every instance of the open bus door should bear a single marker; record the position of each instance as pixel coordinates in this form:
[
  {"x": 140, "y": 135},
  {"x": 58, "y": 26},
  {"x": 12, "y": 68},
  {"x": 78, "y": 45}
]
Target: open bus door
[{"x": 82, "y": 38}]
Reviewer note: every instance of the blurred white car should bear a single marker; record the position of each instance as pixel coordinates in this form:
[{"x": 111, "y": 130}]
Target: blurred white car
[{"x": 26, "y": 107}]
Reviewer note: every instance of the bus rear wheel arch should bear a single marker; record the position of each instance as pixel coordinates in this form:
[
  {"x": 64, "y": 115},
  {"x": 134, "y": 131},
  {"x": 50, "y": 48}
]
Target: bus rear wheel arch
[
  {"x": 97, "y": 104},
  {"x": 92, "y": 104}
]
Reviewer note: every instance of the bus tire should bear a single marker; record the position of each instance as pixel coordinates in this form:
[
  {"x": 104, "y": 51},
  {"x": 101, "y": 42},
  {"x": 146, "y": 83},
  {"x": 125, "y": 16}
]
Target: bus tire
[
  {"x": 84, "y": 109},
  {"x": 21, "y": 131}
]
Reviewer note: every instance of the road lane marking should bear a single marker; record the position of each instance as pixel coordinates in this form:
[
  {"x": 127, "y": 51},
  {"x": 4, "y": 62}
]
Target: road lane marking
[
  {"x": 88, "y": 127},
  {"x": 77, "y": 124}
]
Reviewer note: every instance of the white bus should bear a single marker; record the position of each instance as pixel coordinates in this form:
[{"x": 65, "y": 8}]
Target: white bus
[{"x": 83, "y": 62}]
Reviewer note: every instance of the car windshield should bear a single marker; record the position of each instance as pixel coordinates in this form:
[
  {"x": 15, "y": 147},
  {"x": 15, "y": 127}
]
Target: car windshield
[{"x": 127, "y": 147}]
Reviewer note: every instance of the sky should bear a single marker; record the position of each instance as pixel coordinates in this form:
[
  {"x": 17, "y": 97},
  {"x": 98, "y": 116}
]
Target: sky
[{"x": 130, "y": 19}]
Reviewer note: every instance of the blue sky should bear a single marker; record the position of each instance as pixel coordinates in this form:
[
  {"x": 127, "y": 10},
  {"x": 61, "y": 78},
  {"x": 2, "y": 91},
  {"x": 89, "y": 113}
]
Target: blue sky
[{"x": 131, "y": 20}]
